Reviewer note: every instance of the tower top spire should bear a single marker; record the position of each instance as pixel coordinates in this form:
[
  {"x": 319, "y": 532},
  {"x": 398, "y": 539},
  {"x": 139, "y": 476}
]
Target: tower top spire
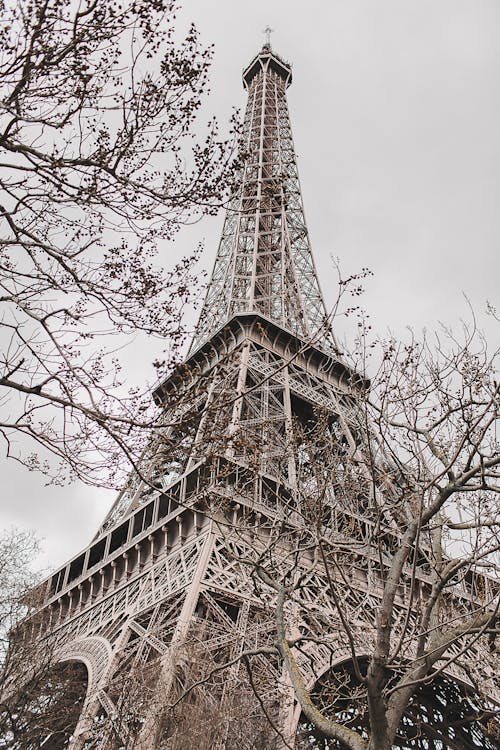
[
  {"x": 264, "y": 264},
  {"x": 268, "y": 31}
]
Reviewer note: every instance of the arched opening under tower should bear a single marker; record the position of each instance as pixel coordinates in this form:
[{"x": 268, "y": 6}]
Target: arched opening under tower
[
  {"x": 443, "y": 715},
  {"x": 44, "y": 710}
]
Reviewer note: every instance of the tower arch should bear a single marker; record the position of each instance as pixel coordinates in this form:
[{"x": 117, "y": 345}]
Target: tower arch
[
  {"x": 95, "y": 652},
  {"x": 445, "y": 713}
]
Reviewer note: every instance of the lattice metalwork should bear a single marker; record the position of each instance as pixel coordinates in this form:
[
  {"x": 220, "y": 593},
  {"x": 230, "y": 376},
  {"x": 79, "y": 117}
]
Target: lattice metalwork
[
  {"x": 263, "y": 435},
  {"x": 264, "y": 263},
  {"x": 446, "y": 715}
]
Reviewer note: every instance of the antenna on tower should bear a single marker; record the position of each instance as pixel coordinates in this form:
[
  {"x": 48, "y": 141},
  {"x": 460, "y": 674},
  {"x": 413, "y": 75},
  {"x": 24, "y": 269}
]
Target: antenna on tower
[{"x": 268, "y": 31}]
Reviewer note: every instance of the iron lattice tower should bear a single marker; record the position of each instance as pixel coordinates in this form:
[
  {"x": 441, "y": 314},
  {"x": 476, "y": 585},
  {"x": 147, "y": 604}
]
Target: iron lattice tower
[{"x": 165, "y": 587}]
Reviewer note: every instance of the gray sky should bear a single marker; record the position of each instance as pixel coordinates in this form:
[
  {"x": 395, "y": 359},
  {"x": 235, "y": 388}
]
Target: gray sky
[{"x": 395, "y": 108}]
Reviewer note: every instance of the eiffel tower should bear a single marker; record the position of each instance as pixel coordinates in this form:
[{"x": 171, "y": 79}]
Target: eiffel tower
[{"x": 168, "y": 590}]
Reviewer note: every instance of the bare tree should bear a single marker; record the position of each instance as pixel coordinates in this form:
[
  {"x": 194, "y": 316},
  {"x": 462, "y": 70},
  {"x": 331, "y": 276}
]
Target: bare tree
[
  {"x": 18, "y": 549},
  {"x": 37, "y": 701},
  {"x": 100, "y": 168},
  {"x": 381, "y": 566},
  {"x": 394, "y": 554},
  {"x": 353, "y": 605}
]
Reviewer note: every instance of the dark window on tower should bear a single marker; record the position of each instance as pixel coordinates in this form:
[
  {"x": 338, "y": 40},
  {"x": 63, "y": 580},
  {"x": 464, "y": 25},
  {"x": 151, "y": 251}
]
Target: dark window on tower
[
  {"x": 76, "y": 568},
  {"x": 119, "y": 537},
  {"x": 96, "y": 553}
]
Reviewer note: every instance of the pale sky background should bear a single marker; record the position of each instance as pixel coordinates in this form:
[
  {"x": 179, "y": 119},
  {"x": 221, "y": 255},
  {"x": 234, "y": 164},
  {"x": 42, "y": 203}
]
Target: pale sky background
[{"x": 395, "y": 108}]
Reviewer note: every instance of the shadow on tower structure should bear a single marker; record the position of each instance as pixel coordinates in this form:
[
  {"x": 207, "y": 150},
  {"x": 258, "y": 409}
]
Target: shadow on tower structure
[{"x": 248, "y": 563}]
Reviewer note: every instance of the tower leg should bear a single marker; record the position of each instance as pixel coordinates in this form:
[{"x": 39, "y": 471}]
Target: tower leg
[
  {"x": 93, "y": 704},
  {"x": 150, "y": 733}
]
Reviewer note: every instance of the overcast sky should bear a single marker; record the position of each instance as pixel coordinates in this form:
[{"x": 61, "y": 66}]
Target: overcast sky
[{"x": 395, "y": 109}]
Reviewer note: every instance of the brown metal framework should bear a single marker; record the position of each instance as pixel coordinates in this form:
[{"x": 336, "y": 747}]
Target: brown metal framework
[
  {"x": 165, "y": 574},
  {"x": 264, "y": 263}
]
